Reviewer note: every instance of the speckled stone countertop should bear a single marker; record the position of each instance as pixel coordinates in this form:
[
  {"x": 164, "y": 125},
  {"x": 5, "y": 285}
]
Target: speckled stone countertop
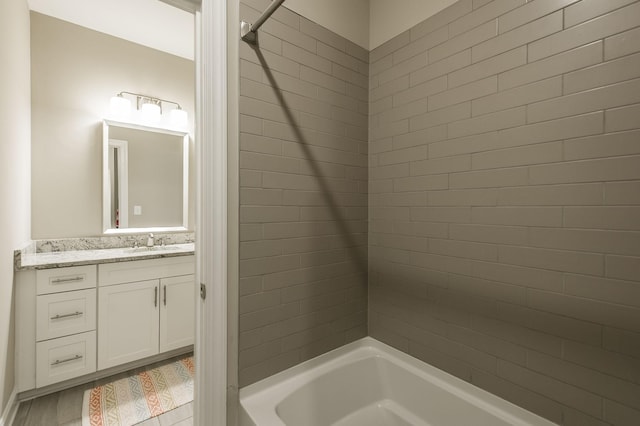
[{"x": 47, "y": 254}]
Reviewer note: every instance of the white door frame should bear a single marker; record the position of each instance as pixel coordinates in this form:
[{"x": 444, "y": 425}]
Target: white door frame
[{"x": 211, "y": 231}]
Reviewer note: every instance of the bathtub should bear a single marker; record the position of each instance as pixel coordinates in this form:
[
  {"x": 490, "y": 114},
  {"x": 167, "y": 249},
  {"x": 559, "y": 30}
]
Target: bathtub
[{"x": 367, "y": 383}]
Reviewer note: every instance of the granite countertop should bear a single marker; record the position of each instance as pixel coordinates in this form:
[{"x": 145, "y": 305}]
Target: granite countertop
[
  {"x": 47, "y": 254},
  {"x": 90, "y": 257}
]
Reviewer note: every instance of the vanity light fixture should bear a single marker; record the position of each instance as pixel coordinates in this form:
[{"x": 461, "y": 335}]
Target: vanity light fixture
[
  {"x": 149, "y": 110},
  {"x": 120, "y": 106},
  {"x": 179, "y": 117}
]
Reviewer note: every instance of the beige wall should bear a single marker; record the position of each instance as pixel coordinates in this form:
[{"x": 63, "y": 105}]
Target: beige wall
[
  {"x": 368, "y": 23},
  {"x": 153, "y": 23},
  {"x": 303, "y": 193},
  {"x": 350, "y": 19},
  {"x": 14, "y": 169},
  {"x": 75, "y": 73},
  {"x": 390, "y": 18},
  {"x": 504, "y": 202}
]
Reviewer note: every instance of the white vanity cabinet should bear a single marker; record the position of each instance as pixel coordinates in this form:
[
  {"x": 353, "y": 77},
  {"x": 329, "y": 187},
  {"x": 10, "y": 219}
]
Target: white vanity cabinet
[
  {"x": 82, "y": 322},
  {"x": 145, "y": 308}
]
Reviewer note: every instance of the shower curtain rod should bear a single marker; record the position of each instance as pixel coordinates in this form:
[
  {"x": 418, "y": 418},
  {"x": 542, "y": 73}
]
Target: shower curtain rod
[{"x": 248, "y": 30}]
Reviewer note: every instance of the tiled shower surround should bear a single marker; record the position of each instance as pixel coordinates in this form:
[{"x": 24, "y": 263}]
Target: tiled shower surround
[
  {"x": 504, "y": 203},
  {"x": 303, "y": 193},
  {"x": 503, "y": 199}
]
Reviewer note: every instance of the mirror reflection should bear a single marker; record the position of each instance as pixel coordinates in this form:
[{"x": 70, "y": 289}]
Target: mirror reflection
[{"x": 145, "y": 176}]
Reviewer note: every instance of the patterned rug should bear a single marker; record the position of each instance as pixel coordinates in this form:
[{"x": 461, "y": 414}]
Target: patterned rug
[{"x": 137, "y": 398}]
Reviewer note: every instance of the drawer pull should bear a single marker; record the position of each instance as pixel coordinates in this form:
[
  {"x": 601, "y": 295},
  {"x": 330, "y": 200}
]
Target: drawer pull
[
  {"x": 67, "y": 280},
  {"x": 62, "y": 361},
  {"x": 75, "y": 314}
]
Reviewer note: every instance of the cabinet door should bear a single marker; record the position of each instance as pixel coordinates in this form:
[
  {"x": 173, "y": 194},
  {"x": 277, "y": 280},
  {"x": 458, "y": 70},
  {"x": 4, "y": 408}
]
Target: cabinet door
[
  {"x": 177, "y": 313},
  {"x": 127, "y": 322}
]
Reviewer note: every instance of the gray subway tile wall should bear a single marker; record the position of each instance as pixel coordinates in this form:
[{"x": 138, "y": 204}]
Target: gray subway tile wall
[
  {"x": 504, "y": 201},
  {"x": 303, "y": 192},
  {"x": 487, "y": 163}
]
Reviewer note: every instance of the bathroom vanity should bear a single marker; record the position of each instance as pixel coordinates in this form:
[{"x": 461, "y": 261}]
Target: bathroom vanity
[
  {"x": 97, "y": 300},
  {"x": 85, "y": 314}
]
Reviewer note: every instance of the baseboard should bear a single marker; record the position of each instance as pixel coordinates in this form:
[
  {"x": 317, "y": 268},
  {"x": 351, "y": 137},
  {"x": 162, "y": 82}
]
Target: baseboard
[{"x": 10, "y": 410}]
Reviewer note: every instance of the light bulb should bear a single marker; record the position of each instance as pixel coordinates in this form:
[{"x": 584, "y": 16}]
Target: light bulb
[
  {"x": 120, "y": 106},
  {"x": 150, "y": 112},
  {"x": 179, "y": 118}
]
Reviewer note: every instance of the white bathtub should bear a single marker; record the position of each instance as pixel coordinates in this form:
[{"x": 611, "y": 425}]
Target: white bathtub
[{"x": 367, "y": 383}]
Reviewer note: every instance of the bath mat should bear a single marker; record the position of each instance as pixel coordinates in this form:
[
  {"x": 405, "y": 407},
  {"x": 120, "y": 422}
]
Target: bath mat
[{"x": 134, "y": 399}]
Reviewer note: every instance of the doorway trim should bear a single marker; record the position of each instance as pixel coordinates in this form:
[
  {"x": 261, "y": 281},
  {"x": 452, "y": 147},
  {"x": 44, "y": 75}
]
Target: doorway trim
[{"x": 210, "y": 404}]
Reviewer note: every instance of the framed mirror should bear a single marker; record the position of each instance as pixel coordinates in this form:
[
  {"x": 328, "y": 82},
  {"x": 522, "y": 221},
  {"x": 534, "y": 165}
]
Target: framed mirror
[{"x": 145, "y": 178}]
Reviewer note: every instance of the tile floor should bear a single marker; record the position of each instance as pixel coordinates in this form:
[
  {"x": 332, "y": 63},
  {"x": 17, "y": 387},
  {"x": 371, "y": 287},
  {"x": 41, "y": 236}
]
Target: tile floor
[{"x": 64, "y": 408}]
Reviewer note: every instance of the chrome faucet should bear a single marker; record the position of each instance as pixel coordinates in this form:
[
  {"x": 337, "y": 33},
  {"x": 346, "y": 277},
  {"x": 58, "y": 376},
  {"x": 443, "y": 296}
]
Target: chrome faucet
[{"x": 150, "y": 241}]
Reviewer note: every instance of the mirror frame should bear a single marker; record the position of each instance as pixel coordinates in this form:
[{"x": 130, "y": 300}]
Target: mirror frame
[{"x": 106, "y": 181}]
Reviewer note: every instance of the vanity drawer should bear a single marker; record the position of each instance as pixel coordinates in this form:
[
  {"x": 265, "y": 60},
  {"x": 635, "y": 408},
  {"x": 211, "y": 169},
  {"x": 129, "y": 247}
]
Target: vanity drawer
[
  {"x": 62, "y": 314},
  {"x": 65, "y": 358},
  {"x": 144, "y": 270},
  {"x": 65, "y": 279}
]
